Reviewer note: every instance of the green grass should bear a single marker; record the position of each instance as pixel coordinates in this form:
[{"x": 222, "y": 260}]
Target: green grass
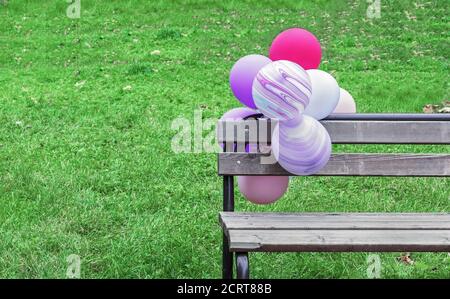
[{"x": 86, "y": 167}]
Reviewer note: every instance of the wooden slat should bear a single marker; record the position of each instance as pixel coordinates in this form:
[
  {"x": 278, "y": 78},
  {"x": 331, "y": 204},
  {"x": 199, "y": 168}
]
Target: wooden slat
[
  {"x": 387, "y": 116},
  {"x": 339, "y": 240},
  {"x": 252, "y": 130},
  {"x": 292, "y": 221},
  {"x": 322, "y": 221},
  {"x": 388, "y": 132},
  {"x": 337, "y": 231},
  {"x": 345, "y": 165},
  {"x": 334, "y": 214},
  {"x": 354, "y": 131}
]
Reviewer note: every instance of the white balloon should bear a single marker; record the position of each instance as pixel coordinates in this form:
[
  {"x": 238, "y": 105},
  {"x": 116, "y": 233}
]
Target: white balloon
[
  {"x": 346, "y": 103},
  {"x": 325, "y": 94}
]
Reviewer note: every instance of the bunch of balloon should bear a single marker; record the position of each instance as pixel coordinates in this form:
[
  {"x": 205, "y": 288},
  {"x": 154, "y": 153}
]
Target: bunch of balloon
[{"x": 289, "y": 87}]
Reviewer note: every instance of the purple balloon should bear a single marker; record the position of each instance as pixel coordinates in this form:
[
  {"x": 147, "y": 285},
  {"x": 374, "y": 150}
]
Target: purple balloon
[
  {"x": 242, "y": 75},
  {"x": 303, "y": 149},
  {"x": 281, "y": 90},
  {"x": 263, "y": 189},
  {"x": 239, "y": 114}
]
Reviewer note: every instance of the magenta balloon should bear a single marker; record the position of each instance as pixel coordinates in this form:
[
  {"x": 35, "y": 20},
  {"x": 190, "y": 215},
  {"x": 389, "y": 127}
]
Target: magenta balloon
[
  {"x": 263, "y": 189},
  {"x": 303, "y": 149},
  {"x": 281, "y": 90},
  {"x": 297, "y": 45},
  {"x": 242, "y": 75}
]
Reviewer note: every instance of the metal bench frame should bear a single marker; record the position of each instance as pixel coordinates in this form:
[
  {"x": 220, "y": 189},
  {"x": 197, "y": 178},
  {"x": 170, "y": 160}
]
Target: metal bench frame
[{"x": 345, "y": 129}]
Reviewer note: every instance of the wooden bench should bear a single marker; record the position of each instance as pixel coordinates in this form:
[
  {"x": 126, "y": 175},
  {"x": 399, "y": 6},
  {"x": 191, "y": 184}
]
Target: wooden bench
[{"x": 338, "y": 232}]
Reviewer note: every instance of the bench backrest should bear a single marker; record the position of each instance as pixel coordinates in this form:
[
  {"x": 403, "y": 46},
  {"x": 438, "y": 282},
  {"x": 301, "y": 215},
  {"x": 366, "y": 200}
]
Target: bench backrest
[{"x": 353, "y": 129}]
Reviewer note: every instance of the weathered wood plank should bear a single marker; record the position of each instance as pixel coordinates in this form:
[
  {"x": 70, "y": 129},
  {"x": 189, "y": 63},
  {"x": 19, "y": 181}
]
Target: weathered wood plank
[
  {"x": 347, "y": 131},
  {"x": 387, "y": 116},
  {"x": 388, "y": 132},
  {"x": 339, "y": 240},
  {"x": 345, "y": 165},
  {"x": 334, "y": 214},
  {"x": 319, "y": 221}
]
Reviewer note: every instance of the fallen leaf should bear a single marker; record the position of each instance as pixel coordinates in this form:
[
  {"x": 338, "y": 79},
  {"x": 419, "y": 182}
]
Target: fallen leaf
[
  {"x": 156, "y": 52},
  {"x": 444, "y": 110},
  {"x": 429, "y": 108},
  {"x": 405, "y": 258},
  {"x": 80, "y": 84}
]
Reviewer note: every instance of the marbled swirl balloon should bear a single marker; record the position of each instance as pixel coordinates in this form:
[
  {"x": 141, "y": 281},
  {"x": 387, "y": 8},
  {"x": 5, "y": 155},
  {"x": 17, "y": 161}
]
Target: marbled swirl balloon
[
  {"x": 303, "y": 149},
  {"x": 281, "y": 90}
]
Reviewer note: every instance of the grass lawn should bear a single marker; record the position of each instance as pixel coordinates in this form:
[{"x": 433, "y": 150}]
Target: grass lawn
[{"x": 86, "y": 165}]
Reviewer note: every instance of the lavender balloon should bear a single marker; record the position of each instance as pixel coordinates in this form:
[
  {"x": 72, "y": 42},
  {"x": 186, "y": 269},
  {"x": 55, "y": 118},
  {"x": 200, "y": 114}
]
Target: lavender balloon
[
  {"x": 242, "y": 75},
  {"x": 281, "y": 90},
  {"x": 303, "y": 149}
]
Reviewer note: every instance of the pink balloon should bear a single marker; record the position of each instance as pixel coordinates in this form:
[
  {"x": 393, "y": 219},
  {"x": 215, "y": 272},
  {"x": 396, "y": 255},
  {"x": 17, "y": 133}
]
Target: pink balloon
[
  {"x": 263, "y": 190},
  {"x": 346, "y": 103},
  {"x": 299, "y": 46}
]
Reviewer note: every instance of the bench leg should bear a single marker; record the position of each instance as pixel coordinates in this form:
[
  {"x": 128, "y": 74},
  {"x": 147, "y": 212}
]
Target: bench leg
[
  {"x": 227, "y": 259},
  {"x": 242, "y": 265},
  {"x": 228, "y": 206}
]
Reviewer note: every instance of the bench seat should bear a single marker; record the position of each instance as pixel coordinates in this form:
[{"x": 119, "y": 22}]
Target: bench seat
[{"x": 336, "y": 232}]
